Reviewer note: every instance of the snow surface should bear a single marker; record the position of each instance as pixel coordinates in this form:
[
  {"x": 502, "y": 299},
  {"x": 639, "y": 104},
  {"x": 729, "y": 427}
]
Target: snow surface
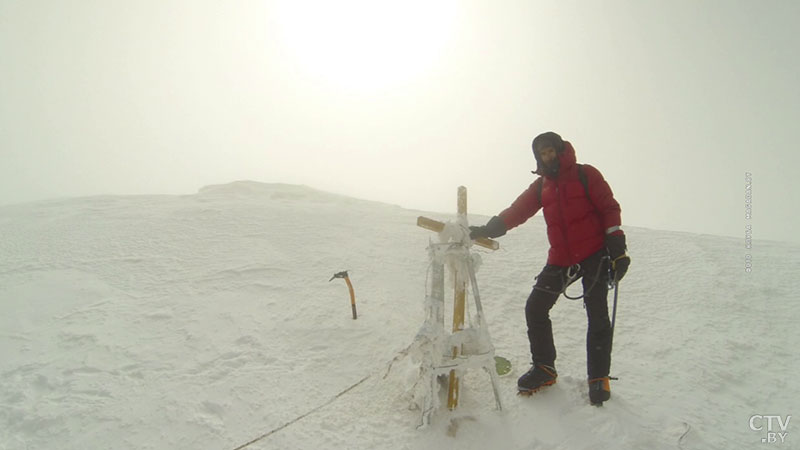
[{"x": 207, "y": 321}]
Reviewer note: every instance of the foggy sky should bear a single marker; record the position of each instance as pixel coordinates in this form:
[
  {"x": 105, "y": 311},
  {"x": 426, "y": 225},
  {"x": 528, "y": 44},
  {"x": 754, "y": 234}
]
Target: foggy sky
[{"x": 673, "y": 101}]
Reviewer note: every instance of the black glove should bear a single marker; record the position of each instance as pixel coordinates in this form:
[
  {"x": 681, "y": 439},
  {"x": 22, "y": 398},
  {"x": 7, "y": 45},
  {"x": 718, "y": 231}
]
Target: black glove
[
  {"x": 495, "y": 227},
  {"x": 615, "y": 243}
]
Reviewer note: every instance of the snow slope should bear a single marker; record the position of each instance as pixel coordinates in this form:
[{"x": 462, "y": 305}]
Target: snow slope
[{"x": 207, "y": 321}]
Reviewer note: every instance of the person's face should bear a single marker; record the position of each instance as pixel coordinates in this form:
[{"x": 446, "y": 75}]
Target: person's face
[{"x": 548, "y": 155}]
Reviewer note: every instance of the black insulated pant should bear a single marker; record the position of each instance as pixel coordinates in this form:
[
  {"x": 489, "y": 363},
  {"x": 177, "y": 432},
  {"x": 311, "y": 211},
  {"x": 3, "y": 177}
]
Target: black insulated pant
[{"x": 549, "y": 284}]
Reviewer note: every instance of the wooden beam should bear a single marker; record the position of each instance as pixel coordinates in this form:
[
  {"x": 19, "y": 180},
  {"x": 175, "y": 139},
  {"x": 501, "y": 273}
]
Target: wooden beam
[
  {"x": 459, "y": 306},
  {"x": 435, "y": 225}
]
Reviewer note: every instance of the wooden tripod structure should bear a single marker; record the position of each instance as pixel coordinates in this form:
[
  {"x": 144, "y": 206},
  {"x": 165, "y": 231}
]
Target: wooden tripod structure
[{"x": 465, "y": 346}]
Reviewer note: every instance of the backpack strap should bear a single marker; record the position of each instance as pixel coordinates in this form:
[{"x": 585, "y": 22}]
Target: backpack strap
[{"x": 584, "y": 181}]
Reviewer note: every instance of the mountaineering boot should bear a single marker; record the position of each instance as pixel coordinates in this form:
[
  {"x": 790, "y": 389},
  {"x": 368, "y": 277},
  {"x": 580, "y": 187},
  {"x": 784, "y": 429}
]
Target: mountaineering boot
[
  {"x": 599, "y": 391},
  {"x": 539, "y": 376}
]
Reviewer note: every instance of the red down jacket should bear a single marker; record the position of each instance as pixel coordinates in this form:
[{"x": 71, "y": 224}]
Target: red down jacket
[{"x": 576, "y": 224}]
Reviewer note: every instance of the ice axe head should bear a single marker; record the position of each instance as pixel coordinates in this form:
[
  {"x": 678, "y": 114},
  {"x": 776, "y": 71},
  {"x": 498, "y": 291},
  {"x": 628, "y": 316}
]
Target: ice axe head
[{"x": 342, "y": 274}]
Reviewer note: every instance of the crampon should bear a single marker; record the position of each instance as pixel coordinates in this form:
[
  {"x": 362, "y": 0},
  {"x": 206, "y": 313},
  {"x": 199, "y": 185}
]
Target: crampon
[{"x": 528, "y": 392}]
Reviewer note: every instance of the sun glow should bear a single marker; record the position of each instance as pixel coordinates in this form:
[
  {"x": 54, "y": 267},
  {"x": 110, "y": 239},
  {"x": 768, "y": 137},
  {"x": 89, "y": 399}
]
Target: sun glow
[{"x": 363, "y": 44}]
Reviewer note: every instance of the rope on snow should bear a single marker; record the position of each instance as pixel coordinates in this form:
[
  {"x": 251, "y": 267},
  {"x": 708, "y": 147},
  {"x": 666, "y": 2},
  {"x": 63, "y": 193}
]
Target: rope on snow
[{"x": 301, "y": 417}]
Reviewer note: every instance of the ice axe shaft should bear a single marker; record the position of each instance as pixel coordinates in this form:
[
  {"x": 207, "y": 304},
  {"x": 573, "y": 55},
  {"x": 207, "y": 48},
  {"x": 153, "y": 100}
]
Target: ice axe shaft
[
  {"x": 614, "y": 315},
  {"x": 346, "y": 277}
]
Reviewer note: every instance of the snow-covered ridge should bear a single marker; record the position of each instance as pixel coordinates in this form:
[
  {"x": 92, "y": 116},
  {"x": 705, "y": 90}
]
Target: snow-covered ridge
[
  {"x": 247, "y": 188},
  {"x": 207, "y": 320}
]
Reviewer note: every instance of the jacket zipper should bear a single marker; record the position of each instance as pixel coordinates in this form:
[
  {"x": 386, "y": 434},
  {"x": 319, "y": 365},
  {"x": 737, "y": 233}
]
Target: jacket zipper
[{"x": 563, "y": 223}]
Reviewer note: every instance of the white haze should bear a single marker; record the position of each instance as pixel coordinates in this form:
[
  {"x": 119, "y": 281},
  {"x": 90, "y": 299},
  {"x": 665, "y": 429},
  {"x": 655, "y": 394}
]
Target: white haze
[{"x": 403, "y": 102}]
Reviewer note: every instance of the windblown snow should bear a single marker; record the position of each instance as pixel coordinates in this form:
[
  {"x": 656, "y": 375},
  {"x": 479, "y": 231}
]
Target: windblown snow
[{"x": 208, "y": 321}]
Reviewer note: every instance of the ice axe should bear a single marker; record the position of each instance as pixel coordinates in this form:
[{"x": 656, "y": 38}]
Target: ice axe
[
  {"x": 344, "y": 275},
  {"x": 613, "y": 283},
  {"x": 614, "y": 313}
]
